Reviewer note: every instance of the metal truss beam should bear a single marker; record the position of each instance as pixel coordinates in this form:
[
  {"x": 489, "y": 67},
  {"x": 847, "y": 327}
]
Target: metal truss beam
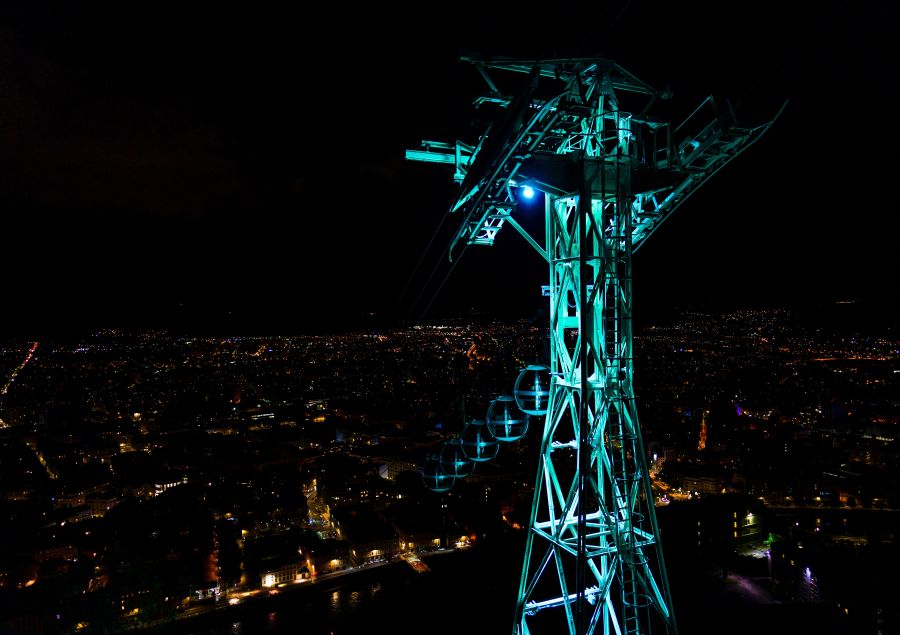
[{"x": 579, "y": 132}]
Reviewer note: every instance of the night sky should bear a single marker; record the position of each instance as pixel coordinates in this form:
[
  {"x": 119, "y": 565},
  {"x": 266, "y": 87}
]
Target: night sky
[{"x": 230, "y": 170}]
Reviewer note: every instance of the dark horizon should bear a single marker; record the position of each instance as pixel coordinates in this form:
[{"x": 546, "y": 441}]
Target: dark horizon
[
  {"x": 848, "y": 317},
  {"x": 188, "y": 168}
]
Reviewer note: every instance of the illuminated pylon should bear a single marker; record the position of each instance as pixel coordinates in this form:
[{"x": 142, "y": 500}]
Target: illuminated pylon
[{"x": 580, "y": 133}]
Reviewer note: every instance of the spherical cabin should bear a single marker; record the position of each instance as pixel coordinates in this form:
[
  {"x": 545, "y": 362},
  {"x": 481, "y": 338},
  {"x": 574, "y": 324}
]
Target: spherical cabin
[
  {"x": 478, "y": 444},
  {"x": 532, "y": 390},
  {"x": 505, "y": 419},
  {"x": 433, "y": 477},
  {"x": 453, "y": 461}
]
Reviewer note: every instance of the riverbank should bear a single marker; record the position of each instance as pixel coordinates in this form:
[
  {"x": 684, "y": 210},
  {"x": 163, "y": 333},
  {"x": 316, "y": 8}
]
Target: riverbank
[{"x": 241, "y": 606}]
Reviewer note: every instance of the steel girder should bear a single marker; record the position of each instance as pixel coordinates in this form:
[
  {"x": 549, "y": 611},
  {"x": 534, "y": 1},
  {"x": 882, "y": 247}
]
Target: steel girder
[
  {"x": 610, "y": 175},
  {"x": 592, "y": 561}
]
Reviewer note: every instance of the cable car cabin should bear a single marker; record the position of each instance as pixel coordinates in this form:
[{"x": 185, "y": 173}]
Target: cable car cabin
[
  {"x": 453, "y": 461},
  {"x": 478, "y": 444},
  {"x": 505, "y": 419},
  {"x": 532, "y": 390},
  {"x": 435, "y": 479}
]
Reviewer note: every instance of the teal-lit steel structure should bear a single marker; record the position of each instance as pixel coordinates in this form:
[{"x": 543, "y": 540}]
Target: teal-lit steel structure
[{"x": 581, "y": 132}]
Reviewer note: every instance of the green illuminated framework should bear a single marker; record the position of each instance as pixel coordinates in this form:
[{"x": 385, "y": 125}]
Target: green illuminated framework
[{"x": 579, "y": 132}]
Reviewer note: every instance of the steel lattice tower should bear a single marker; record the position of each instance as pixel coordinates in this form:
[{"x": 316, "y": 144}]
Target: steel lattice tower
[{"x": 579, "y": 130}]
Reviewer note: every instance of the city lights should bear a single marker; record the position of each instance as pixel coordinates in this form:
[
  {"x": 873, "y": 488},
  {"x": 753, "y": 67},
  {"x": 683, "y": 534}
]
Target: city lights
[{"x": 243, "y": 562}]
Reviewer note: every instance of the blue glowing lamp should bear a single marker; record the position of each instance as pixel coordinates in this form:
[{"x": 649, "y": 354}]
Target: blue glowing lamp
[{"x": 528, "y": 191}]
